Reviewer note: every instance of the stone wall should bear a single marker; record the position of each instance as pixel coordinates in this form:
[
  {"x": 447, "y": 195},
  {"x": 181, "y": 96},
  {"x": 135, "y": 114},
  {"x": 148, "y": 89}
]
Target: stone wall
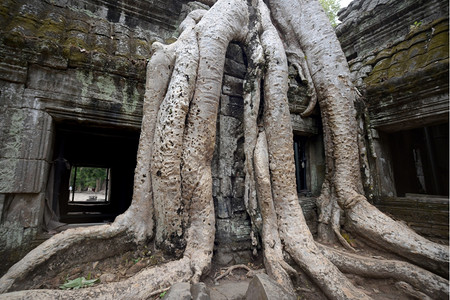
[
  {"x": 61, "y": 61},
  {"x": 398, "y": 56},
  {"x": 80, "y": 65},
  {"x": 83, "y": 63}
]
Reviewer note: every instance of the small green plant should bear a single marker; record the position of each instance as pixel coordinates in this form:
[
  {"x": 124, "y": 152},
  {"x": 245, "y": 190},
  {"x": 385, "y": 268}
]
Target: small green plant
[
  {"x": 415, "y": 26},
  {"x": 349, "y": 240},
  {"x": 162, "y": 294},
  {"x": 77, "y": 283}
]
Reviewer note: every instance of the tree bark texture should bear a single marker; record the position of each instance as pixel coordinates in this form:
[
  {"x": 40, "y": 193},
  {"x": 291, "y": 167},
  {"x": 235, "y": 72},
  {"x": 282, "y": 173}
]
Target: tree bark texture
[{"x": 172, "y": 201}]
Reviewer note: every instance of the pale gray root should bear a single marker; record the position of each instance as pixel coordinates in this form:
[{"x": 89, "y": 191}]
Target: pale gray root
[
  {"x": 200, "y": 235},
  {"x": 325, "y": 205},
  {"x": 431, "y": 284},
  {"x": 224, "y": 22},
  {"x": 159, "y": 71},
  {"x": 334, "y": 88},
  {"x": 409, "y": 290},
  {"x": 137, "y": 222},
  {"x": 140, "y": 286},
  {"x": 298, "y": 59},
  {"x": 56, "y": 244},
  {"x": 272, "y": 247},
  {"x": 294, "y": 232},
  {"x": 336, "y": 99},
  {"x": 326, "y": 202},
  {"x": 369, "y": 222},
  {"x": 252, "y": 96},
  {"x": 168, "y": 140},
  {"x": 229, "y": 271},
  {"x": 299, "y": 62},
  {"x": 336, "y": 227}
]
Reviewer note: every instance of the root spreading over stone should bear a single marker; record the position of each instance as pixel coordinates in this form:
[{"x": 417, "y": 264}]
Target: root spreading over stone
[{"x": 172, "y": 201}]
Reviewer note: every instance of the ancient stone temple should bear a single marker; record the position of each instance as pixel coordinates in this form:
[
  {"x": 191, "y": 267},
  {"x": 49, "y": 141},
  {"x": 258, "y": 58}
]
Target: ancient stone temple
[
  {"x": 72, "y": 84},
  {"x": 398, "y": 55}
]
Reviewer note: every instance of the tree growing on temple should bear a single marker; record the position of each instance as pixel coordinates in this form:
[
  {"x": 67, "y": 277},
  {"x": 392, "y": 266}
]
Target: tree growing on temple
[{"x": 172, "y": 203}]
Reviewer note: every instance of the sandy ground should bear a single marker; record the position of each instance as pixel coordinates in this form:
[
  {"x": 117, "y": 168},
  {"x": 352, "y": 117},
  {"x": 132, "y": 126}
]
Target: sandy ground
[{"x": 88, "y": 196}]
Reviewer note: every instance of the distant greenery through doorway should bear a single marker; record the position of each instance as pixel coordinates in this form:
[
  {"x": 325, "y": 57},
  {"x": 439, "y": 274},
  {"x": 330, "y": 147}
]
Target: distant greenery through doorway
[{"x": 89, "y": 184}]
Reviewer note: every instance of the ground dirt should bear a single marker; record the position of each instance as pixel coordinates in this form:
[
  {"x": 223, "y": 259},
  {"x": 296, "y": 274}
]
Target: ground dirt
[{"x": 231, "y": 287}]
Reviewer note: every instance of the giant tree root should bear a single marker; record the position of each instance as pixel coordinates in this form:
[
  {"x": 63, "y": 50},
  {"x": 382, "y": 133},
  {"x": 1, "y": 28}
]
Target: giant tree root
[
  {"x": 173, "y": 181},
  {"x": 375, "y": 226},
  {"x": 139, "y": 286},
  {"x": 427, "y": 282}
]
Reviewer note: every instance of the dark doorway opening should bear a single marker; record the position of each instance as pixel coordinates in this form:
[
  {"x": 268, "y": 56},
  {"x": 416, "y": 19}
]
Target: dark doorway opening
[
  {"x": 420, "y": 160},
  {"x": 300, "y": 163},
  {"x": 93, "y": 172}
]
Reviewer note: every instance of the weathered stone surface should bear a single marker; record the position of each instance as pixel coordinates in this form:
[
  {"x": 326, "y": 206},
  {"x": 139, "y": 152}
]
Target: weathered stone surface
[
  {"x": 199, "y": 291},
  {"x": 262, "y": 287},
  {"x": 229, "y": 291},
  {"x": 20, "y": 224},
  {"x": 398, "y": 56},
  {"x": 232, "y": 86},
  {"x": 370, "y": 24},
  {"x": 22, "y": 175},
  {"x": 66, "y": 61},
  {"x": 416, "y": 209},
  {"x": 179, "y": 291}
]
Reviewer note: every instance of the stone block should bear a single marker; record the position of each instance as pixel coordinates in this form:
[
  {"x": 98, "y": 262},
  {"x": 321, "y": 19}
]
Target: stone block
[
  {"x": 223, "y": 258},
  {"x": 239, "y": 187},
  {"x": 262, "y": 287},
  {"x": 232, "y": 86},
  {"x": 13, "y": 69},
  {"x": 234, "y": 68},
  {"x": 223, "y": 232},
  {"x": 15, "y": 242},
  {"x": 232, "y": 106},
  {"x": 24, "y": 209},
  {"x": 25, "y": 134},
  {"x": 240, "y": 230},
  {"x": 223, "y": 208},
  {"x": 199, "y": 291},
  {"x": 305, "y": 126},
  {"x": 85, "y": 86},
  {"x": 22, "y": 175},
  {"x": 230, "y": 290},
  {"x": 237, "y": 205},
  {"x": 216, "y": 185},
  {"x": 179, "y": 291},
  {"x": 226, "y": 188},
  {"x": 11, "y": 95},
  {"x": 101, "y": 27},
  {"x": 234, "y": 52}
]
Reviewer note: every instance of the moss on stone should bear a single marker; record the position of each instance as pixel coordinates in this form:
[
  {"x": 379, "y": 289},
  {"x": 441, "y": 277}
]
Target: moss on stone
[
  {"x": 421, "y": 48},
  {"x": 437, "y": 54},
  {"x": 417, "y": 49},
  {"x": 382, "y": 65},
  {"x": 439, "y": 40},
  {"x": 24, "y": 24},
  {"x": 170, "y": 40},
  {"x": 78, "y": 25},
  {"x": 131, "y": 97},
  {"x": 51, "y": 29},
  {"x": 107, "y": 87}
]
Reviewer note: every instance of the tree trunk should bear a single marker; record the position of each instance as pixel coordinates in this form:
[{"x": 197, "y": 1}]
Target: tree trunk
[{"x": 172, "y": 199}]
